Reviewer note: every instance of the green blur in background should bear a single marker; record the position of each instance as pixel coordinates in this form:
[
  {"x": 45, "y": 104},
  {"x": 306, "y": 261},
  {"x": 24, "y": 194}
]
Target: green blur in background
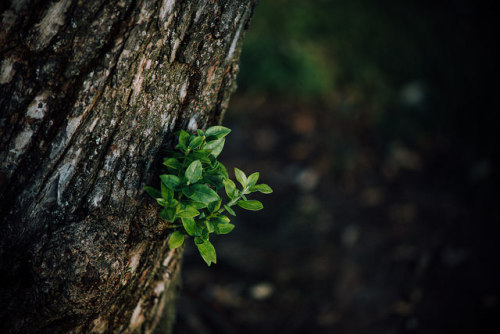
[
  {"x": 375, "y": 124},
  {"x": 416, "y": 65}
]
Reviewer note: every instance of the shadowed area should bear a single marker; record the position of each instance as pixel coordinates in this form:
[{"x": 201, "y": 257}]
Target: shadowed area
[{"x": 374, "y": 122}]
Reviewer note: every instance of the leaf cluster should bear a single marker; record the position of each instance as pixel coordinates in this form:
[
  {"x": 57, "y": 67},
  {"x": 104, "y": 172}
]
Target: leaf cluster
[{"x": 197, "y": 196}]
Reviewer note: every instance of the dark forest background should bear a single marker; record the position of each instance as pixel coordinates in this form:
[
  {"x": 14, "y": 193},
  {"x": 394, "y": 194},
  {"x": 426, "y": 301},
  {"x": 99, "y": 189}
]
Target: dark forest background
[{"x": 376, "y": 124}]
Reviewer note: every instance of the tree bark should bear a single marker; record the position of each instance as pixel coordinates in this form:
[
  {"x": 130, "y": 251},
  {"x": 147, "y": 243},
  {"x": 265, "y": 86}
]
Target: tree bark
[{"x": 90, "y": 94}]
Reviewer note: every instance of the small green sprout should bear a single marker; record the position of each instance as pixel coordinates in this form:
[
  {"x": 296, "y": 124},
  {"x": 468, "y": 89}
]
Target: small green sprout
[{"x": 189, "y": 193}]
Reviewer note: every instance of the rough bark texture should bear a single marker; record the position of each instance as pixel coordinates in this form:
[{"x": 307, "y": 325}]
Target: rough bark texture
[{"x": 90, "y": 93}]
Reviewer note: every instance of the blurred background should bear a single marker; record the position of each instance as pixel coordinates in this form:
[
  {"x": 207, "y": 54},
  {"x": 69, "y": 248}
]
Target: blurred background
[{"x": 375, "y": 123}]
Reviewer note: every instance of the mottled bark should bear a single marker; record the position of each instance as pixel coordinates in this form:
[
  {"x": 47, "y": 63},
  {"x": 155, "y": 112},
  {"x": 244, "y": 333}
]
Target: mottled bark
[{"x": 90, "y": 93}]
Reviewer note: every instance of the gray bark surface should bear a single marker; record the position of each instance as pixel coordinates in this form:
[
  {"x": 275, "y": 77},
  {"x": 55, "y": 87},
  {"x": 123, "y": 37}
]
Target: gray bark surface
[{"x": 90, "y": 94}]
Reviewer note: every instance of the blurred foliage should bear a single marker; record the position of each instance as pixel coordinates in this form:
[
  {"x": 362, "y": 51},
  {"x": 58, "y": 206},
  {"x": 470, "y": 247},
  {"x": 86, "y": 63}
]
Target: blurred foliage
[
  {"x": 296, "y": 47},
  {"x": 409, "y": 67},
  {"x": 374, "y": 123}
]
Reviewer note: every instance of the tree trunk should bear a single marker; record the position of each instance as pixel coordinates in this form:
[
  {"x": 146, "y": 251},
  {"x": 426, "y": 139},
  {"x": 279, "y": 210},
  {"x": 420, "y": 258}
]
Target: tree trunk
[{"x": 90, "y": 93}]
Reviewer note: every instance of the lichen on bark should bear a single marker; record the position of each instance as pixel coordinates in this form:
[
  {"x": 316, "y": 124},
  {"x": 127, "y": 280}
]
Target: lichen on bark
[{"x": 90, "y": 93}]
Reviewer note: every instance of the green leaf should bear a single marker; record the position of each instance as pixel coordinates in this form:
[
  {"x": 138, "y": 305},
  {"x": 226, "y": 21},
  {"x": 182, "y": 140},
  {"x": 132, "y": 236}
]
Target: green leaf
[
  {"x": 207, "y": 252},
  {"x": 263, "y": 188},
  {"x": 241, "y": 177},
  {"x": 188, "y": 212},
  {"x": 222, "y": 170},
  {"x": 153, "y": 192},
  {"x": 210, "y": 226},
  {"x": 195, "y": 142},
  {"x": 190, "y": 226},
  {"x": 173, "y": 163},
  {"x": 162, "y": 202},
  {"x": 224, "y": 228},
  {"x": 193, "y": 172},
  {"x": 250, "y": 205},
  {"x": 202, "y": 155},
  {"x": 214, "y": 206},
  {"x": 229, "y": 209},
  {"x": 252, "y": 179},
  {"x": 164, "y": 214},
  {"x": 230, "y": 188},
  {"x": 174, "y": 154},
  {"x": 174, "y": 204},
  {"x": 216, "y": 174},
  {"x": 183, "y": 138},
  {"x": 213, "y": 160},
  {"x": 214, "y": 180},
  {"x": 168, "y": 214},
  {"x": 200, "y": 132},
  {"x": 171, "y": 181},
  {"x": 217, "y": 131},
  {"x": 198, "y": 205},
  {"x": 200, "y": 193},
  {"x": 198, "y": 240},
  {"x": 176, "y": 239},
  {"x": 215, "y": 146},
  {"x": 166, "y": 193},
  {"x": 221, "y": 220}
]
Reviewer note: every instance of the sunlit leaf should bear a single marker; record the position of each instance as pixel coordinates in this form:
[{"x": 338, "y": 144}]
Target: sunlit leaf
[
  {"x": 176, "y": 239},
  {"x": 207, "y": 252},
  {"x": 229, "y": 209},
  {"x": 250, "y": 205},
  {"x": 230, "y": 188},
  {"x": 241, "y": 177},
  {"x": 263, "y": 188},
  {"x": 183, "y": 138},
  {"x": 166, "y": 193},
  {"x": 161, "y": 201},
  {"x": 190, "y": 226},
  {"x": 252, "y": 179},
  {"x": 198, "y": 205},
  {"x": 224, "y": 228},
  {"x": 173, "y": 163},
  {"x": 195, "y": 142},
  {"x": 221, "y": 219},
  {"x": 214, "y": 206},
  {"x": 210, "y": 226},
  {"x": 193, "y": 172},
  {"x": 217, "y": 131},
  {"x": 201, "y": 193},
  {"x": 171, "y": 181},
  {"x": 215, "y": 146},
  {"x": 188, "y": 212}
]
